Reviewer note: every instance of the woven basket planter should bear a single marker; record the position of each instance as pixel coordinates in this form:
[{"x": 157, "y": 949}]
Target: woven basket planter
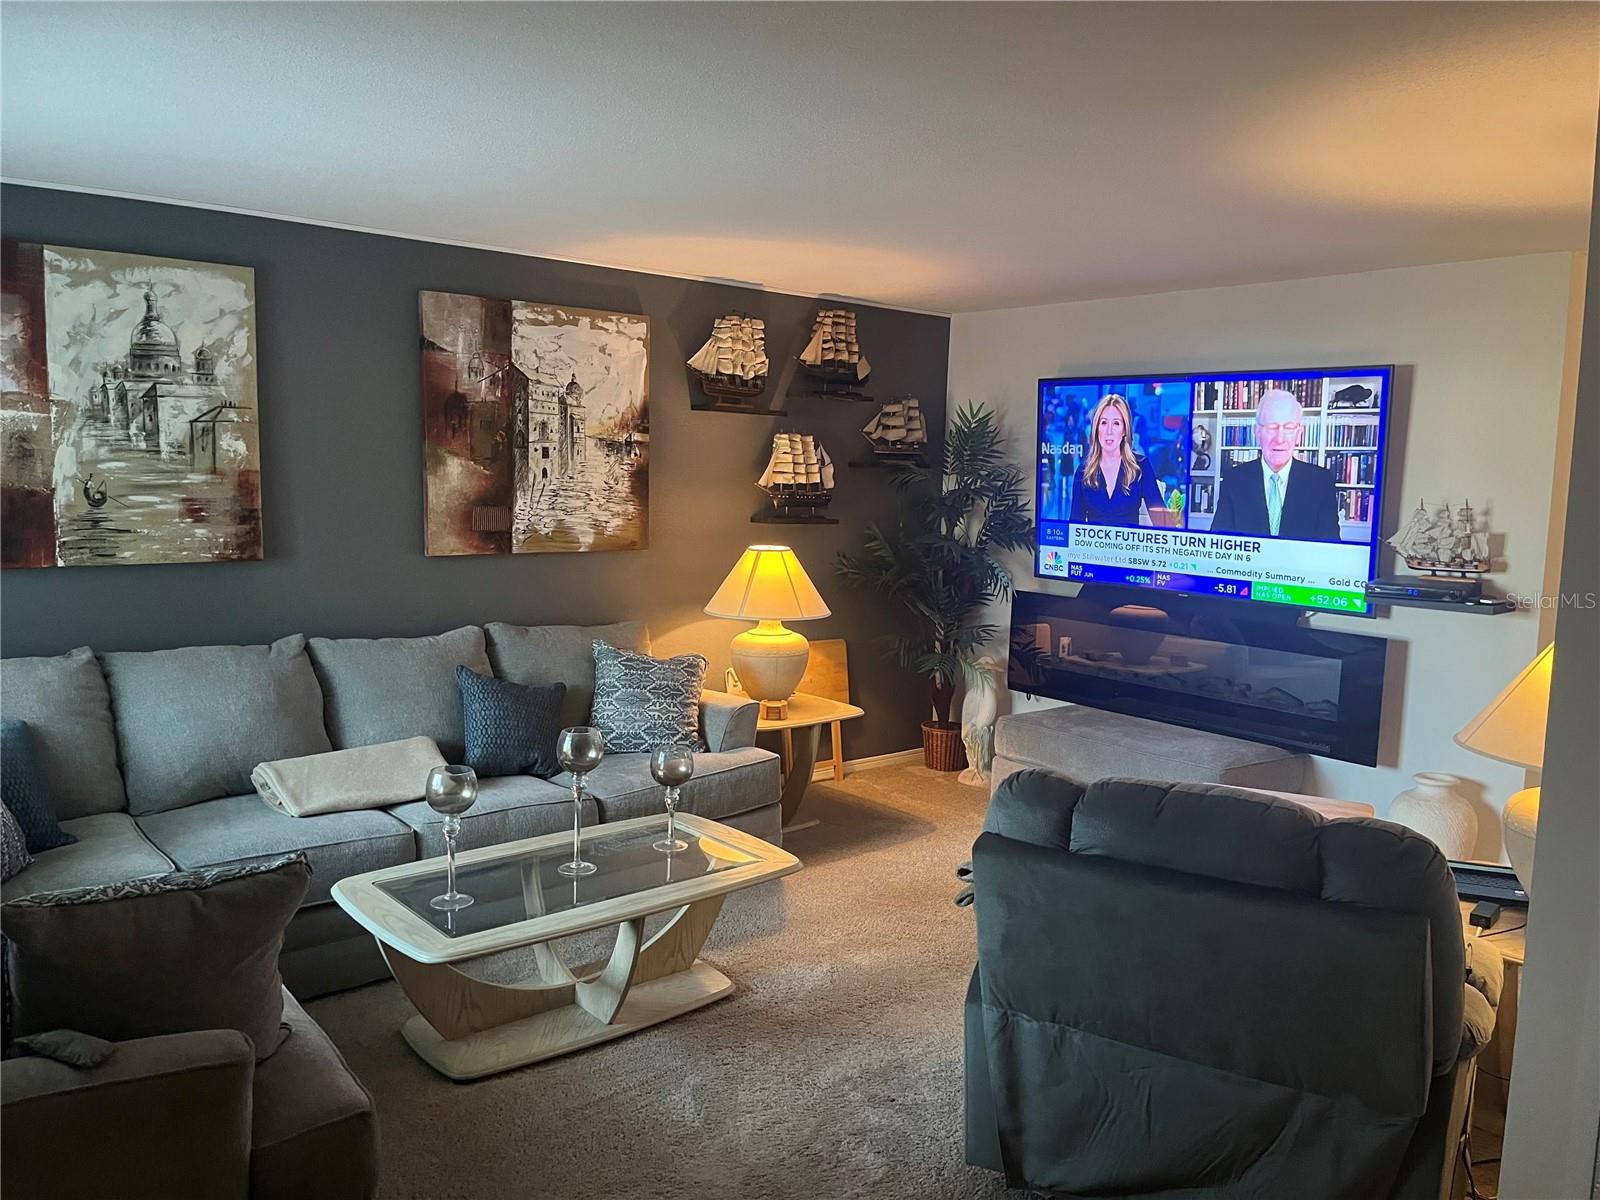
[{"x": 941, "y": 746}]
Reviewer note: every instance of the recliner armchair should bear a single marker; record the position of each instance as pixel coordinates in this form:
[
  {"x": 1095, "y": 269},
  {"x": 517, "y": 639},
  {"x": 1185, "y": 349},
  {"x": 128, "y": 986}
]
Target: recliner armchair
[{"x": 1192, "y": 991}]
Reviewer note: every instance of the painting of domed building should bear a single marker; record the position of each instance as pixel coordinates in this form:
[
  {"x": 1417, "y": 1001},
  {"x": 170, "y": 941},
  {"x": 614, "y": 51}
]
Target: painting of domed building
[
  {"x": 536, "y": 425},
  {"x": 128, "y": 421}
]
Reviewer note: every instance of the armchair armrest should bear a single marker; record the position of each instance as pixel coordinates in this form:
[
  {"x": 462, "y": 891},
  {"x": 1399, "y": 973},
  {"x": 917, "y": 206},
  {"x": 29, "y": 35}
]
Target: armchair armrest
[
  {"x": 728, "y": 722},
  {"x": 163, "y": 1116}
]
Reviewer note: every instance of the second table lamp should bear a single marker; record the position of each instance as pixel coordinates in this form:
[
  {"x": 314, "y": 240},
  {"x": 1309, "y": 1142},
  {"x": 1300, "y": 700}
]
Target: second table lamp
[{"x": 769, "y": 586}]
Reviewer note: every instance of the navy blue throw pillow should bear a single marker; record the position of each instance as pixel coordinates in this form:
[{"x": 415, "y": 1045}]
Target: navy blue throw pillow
[
  {"x": 25, "y": 792},
  {"x": 511, "y": 728}
]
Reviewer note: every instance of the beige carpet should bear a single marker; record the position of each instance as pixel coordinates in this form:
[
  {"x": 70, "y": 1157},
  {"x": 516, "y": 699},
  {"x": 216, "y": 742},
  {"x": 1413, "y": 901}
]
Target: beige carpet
[{"x": 833, "y": 1071}]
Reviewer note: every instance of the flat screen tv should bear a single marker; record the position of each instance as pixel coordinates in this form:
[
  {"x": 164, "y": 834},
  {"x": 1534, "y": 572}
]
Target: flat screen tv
[{"x": 1258, "y": 486}]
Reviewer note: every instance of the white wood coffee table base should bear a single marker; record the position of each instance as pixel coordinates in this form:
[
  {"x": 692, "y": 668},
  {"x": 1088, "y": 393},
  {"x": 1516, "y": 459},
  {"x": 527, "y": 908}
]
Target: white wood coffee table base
[{"x": 467, "y": 1028}]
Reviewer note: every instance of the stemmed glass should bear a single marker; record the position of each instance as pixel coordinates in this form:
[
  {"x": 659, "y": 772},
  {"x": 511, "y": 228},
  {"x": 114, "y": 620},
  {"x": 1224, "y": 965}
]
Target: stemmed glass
[
  {"x": 450, "y": 792},
  {"x": 580, "y": 750},
  {"x": 672, "y": 767}
]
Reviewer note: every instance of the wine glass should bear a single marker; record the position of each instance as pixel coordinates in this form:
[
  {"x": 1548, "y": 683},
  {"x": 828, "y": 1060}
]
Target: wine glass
[
  {"x": 450, "y": 792},
  {"x": 580, "y": 750},
  {"x": 672, "y": 767}
]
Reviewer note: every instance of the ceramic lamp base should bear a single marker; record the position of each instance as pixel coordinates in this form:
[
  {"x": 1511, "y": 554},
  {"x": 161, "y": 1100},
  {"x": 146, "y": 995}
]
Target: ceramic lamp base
[
  {"x": 1521, "y": 820},
  {"x": 770, "y": 662}
]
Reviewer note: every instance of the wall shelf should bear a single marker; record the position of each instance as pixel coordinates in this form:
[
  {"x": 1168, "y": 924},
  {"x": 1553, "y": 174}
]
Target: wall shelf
[
  {"x": 1483, "y": 606},
  {"x": 850, "y": 397},
  {"x": 742, "y": 410},
  {"x": 874, "y": 463},
  {"x": 769, "y": 518}
]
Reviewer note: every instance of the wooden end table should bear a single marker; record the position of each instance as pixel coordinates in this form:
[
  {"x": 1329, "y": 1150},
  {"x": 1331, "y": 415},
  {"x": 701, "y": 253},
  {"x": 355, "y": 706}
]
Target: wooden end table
[
  {"x": 1509, "y": 934},
  {"x": 806, "y": 716}
]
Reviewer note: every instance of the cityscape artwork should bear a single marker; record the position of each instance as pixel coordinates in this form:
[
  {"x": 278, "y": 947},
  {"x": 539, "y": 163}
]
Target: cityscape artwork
[
  {"x": 128, "y": 419},
  {"x": 537, "y": 427}
]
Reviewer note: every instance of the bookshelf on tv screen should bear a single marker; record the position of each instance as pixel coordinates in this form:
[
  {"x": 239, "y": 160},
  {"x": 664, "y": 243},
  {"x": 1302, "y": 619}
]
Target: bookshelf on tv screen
[{"x": 1252, "y": 485}]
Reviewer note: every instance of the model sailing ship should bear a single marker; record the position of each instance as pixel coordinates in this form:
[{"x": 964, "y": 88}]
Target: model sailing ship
[
  {"x": 1442, "y": 542},
  {"x": 834, "y": 354},
  {"x": 798, "y": 480},
  {"x": 732, "y": 365},
  {"x": 897, "y": 431}
]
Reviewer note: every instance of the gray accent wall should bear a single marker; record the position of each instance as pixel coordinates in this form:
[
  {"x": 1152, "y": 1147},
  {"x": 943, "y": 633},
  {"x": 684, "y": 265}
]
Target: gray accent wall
[{"x": 341, "y": 457}]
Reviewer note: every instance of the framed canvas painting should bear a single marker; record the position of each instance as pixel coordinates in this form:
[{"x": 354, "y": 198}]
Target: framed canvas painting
[
  {"x": 536, "y": 425},
  {"x": 128, "y": 430}
]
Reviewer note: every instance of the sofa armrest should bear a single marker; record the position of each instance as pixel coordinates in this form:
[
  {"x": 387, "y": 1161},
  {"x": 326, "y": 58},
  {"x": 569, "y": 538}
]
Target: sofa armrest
[
  {"x": 728, "y": 722},
  {"x": 162, "y": 1117}
]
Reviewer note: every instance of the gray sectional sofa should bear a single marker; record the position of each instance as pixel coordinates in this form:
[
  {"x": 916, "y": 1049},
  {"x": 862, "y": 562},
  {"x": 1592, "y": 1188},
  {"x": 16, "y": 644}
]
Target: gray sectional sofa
[{"x": 148, "y": 756}]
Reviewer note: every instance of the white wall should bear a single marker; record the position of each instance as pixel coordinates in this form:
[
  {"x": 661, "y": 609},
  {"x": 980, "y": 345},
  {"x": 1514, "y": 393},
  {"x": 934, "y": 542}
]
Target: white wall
[
  {"x": 1481, "y": 347},
  {"x": 1552, "y": 1122}
]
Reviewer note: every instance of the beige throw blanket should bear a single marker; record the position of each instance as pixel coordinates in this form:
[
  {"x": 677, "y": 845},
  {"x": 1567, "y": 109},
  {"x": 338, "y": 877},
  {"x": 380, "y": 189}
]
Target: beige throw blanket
[{"x": 346, "y": 780}]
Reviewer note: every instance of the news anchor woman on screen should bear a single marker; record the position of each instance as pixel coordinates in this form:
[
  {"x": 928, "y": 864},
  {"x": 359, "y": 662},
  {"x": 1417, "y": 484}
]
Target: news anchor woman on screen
[
  {"x": 1115, "y": 482},
  {"x": 1276, "y": 494}
]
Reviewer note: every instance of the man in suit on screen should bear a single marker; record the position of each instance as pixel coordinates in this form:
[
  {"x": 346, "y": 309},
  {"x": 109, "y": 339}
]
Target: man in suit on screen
[{"x": 1276, "y": 494}]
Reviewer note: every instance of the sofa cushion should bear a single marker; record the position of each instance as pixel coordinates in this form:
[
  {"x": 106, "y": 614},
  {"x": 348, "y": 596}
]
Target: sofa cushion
[
  {"x": 25, "y": 791},
  {"x": 109, "y": 849},
  {"x": 65, "y": 702},
  {"x": 314, "y": 1130},
  {"x": 724, "y": 785},
  {"x": 388, "y": 689},
  {"x": 537, "y": 654},
  {"x": 511, "y": 728},
  {"x": 193, "y": 722},
  {"x": 174, "y": 953},
  {"x": 243, "y": 828},
  {"x": 507, "y": 808},
  {"x": 643, "y": 703}
]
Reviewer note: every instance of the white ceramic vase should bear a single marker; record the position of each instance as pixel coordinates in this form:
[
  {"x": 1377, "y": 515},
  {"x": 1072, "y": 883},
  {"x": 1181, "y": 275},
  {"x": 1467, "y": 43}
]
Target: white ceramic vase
[{"x": 1436, "y": 810}]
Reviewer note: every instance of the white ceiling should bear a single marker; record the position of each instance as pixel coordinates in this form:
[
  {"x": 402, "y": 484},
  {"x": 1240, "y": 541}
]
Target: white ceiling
[{"x": 947, "y": 156}]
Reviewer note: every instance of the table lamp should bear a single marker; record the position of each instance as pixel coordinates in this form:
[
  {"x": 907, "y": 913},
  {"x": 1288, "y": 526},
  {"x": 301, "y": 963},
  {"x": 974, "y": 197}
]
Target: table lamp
[
  {"x": 769, "y": 586},
  {"x": 1511, "y": 729}
]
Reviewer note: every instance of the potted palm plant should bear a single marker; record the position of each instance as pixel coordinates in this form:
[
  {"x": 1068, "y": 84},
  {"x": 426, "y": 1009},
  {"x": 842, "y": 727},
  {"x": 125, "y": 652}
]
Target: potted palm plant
[{"x": 937, "y": 563}]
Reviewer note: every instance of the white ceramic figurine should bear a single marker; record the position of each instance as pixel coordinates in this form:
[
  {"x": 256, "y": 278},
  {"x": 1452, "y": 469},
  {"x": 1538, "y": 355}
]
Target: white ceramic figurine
[{"x": 978, "y": 710}]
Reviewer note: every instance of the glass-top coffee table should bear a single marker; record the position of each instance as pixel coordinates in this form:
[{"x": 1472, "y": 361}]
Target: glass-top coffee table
[{"x": 467, "y": 1028}]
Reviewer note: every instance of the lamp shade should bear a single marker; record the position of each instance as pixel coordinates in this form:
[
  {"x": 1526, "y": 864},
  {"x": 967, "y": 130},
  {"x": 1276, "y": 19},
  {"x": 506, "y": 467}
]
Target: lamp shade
[
  {"x": 1512, "y": 727},
  {"x": 768, "y": 584}
]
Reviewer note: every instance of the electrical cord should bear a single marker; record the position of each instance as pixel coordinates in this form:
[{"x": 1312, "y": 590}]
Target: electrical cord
[{"x": 1489, "y": 933}]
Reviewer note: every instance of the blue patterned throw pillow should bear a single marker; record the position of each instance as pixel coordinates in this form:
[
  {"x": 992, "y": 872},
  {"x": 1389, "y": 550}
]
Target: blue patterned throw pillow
[
  {"x": 24, "y": 791},
  {"x": 511, "y": 728},
  {"x": 14, "y": 854},
  {"x": 642, "y": 702}
]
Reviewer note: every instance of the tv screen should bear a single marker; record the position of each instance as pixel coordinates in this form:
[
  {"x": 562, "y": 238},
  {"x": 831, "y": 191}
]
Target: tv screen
[{"x": 1264, "y": 486}]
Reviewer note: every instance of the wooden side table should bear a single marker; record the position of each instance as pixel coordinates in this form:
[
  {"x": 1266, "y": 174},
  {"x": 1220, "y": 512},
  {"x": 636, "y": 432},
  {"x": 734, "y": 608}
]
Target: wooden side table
[
  {"x": 801, "y": 728},
  {"x": 1510, "y": 936}
]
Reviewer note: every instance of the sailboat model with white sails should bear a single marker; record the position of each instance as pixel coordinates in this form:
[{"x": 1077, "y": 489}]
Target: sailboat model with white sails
[
  {"x": 897, "y": 431},
  {"x": 798, "y": 480},
  {"x": 834, "y": 354},
  {"x": 732, "y": 366},
  {"x": 1443, "y": 541}
]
